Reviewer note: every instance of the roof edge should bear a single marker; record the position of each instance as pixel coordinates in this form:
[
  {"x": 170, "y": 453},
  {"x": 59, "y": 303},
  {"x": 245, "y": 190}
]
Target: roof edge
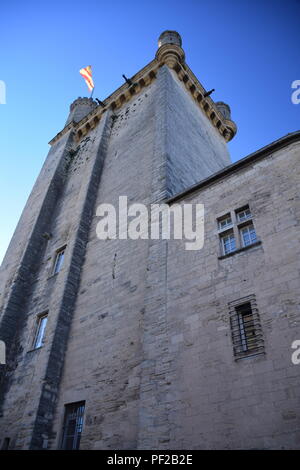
[
  {"x": 173, "y": 57},
  {"x": 252, "y": 157}
]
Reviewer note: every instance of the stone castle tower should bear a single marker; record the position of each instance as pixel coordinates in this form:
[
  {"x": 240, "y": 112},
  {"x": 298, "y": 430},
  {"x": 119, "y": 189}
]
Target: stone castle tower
[{"x": 126, "y": 344}]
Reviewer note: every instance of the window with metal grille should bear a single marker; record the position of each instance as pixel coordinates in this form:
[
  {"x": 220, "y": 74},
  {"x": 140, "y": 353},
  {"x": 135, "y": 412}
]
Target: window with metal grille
[
  {"x": 246, "y": 331},
  {"x": 72, "y": 428}
]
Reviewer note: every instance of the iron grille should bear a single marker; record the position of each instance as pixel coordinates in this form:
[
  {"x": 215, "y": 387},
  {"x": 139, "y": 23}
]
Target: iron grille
[
  {"x": 73, "y": 423},
  {"x": 246, "y": 330}
]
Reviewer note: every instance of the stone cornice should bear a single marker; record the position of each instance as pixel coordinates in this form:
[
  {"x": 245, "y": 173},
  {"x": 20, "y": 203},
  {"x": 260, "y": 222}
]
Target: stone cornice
[
  {"x": 226, "y": 127},
  {"x": 173, "y": 56},
  {"x": 264, "y": 152}
]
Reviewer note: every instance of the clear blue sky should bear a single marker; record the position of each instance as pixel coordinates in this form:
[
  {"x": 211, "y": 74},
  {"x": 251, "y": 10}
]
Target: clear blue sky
[{"x": 247, "y": 50}]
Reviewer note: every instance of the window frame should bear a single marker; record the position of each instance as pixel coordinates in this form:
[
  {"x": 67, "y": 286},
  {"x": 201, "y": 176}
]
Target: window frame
[
  {"x": 60, "y": 252},
  {"x": 221, "y": 219},
  {"x": 80, "y": 413},
  {"x": 226, "y": 234},
  {"x": 245, "y": 343},
  {"x": 237, "y": 227},
  {"x": 243, "y": 209},
  {"x": 247, "y": 227},
  {"x": 35, "y": 343}
]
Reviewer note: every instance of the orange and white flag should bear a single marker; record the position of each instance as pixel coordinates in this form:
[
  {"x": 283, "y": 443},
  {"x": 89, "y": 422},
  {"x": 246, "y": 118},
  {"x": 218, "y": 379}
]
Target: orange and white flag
[{"x": 87, "y": 75}]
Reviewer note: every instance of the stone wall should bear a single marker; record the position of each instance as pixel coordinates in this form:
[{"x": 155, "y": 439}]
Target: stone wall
[
  {"x": 139, "y": 329},
  {"x": 213, "y": 400}
]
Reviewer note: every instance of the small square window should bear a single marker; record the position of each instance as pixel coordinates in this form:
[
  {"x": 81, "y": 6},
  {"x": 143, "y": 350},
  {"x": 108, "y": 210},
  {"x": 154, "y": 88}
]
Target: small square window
[
  {"x": 228, "y": 243},
  {"x": 225, "y": 222},
  {"x": 248, "y": 235},
  {"x": 59, "y": 259},
  {"x": 40, "y": 331},
  {"x": 244, "y": 214}
]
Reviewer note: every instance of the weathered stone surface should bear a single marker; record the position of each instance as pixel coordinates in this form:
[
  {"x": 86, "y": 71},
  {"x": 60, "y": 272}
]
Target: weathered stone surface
[{"x": 139, "y": 329}]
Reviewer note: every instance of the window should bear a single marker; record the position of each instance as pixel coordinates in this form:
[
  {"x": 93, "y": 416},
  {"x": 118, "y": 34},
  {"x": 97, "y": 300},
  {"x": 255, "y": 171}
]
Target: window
[
  {"x": 59, "y": 259},
  {"x": 5, "y": 443},
  {"x": 40, "y": 331},
  {"x": 243, "y": 214},
  {"x": 236, "y": 231},
  {"x": 225, "y": 222},
  {"x": 72, "y": 428},
  {"x": 228, "y": 243},
  {"x": 248, "y": 235},
  {"x": 246, "y": 329}
]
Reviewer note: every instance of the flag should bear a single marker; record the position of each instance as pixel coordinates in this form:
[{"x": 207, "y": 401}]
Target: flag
[{"x": 87, "y": 75}]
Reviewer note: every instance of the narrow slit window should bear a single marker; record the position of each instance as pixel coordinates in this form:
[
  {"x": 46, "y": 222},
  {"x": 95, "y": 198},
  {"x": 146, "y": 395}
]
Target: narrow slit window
[
  {"x": 59, "y": 259},
  {"x": 246, "y": 327},
  {"x": 40, "y": 331}
]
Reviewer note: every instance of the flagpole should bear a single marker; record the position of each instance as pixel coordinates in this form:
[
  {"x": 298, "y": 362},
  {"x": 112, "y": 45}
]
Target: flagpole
[{"x": 87, "y": 75}]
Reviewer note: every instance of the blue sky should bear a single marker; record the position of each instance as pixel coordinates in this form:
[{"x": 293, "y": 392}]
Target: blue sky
[{"x": 247, "y": 50}]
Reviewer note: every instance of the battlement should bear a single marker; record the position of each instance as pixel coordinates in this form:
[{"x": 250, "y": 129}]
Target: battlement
[{"x": 169, "y": 53}]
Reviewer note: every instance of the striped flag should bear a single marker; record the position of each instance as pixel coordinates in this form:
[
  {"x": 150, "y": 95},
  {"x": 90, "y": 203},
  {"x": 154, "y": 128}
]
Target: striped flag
[{"x": 87, "y": 75}]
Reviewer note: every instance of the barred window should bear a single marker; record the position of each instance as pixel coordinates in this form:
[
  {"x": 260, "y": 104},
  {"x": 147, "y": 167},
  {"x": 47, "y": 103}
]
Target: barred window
[
  {"x": 73, "y": 423},
  {"x": 246, "y": 331}
]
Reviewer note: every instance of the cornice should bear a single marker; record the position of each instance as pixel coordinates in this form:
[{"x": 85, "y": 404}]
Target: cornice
[
  {"x": 264, "y": 152},
  {"x": 225, "y": 127},
  {"x": 173, "y": 56}
]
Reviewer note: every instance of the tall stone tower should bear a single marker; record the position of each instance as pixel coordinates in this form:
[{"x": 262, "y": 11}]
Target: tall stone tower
[{"x": 86, "y": 322}]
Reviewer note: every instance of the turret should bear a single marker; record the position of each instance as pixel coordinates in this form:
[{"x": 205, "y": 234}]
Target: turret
[{"x": 80, "y": 108}]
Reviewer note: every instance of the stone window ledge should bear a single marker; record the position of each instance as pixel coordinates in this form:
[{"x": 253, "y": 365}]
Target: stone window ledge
[
  {"x": 34, "y": 349},
  {"x": 239, "y": 250},
  {"x": 53, "y": 275},
  {"x": 250, "y": 356}
]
